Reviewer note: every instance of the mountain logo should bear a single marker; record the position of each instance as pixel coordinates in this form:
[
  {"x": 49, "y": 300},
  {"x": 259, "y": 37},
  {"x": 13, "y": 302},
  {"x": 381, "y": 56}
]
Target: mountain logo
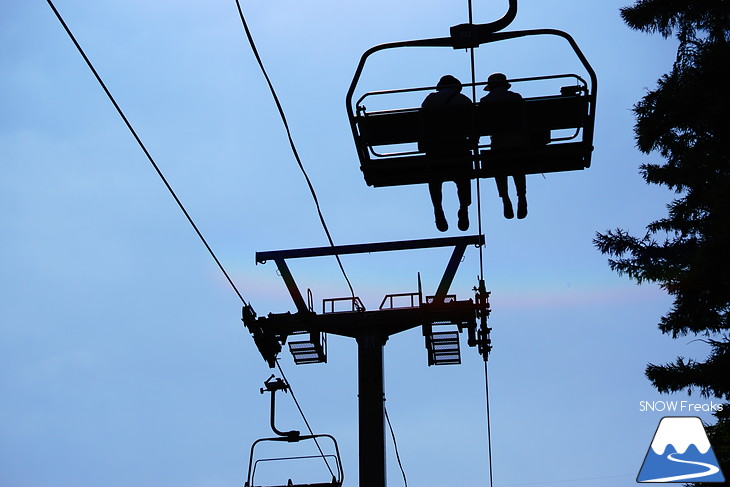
[{"x": 680, "y": 452}]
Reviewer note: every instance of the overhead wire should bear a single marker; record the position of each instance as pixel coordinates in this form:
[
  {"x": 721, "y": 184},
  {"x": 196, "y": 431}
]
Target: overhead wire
[
  {"x": 472, "y": 63},
  {"x": 290, "y": 138},
  {"x": 395, "y": 446},
  {"x": 312, "y": 191},
  {"x": 301, "y": 412},
  {"x": 179, "y": 202},
  {"x": 489, "y": 425},
  {"x": 144, "y": 149}
]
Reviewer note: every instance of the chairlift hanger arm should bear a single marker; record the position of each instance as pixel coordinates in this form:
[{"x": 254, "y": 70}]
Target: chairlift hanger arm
[{"x": 272, "y": 387}]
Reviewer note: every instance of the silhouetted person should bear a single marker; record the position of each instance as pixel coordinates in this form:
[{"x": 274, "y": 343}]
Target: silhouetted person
[
  {"x": 510, "y": 107},
  {"x": 444, "y": 136}
]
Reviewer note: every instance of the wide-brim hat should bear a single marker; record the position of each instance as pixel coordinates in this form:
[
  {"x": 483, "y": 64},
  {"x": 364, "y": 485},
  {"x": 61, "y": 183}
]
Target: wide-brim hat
[
  {"x": 496, "y": 80},
  {"x": 448, "y": 81}
]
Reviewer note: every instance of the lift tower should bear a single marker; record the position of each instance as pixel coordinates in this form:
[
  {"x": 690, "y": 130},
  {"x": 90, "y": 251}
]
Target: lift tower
[{"x": 442, "y": 318}]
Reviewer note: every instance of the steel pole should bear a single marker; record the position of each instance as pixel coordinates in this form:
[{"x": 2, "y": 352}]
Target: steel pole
[{"x": 371, "y": 397}]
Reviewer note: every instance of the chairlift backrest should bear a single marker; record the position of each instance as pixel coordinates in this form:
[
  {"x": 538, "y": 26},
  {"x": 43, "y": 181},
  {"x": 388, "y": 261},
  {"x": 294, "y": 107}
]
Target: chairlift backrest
[{"x": 406, "y": 125}]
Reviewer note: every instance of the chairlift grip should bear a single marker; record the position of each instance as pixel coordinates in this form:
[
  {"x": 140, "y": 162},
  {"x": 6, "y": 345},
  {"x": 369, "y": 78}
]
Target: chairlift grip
[{"x": 465, "y": 36}]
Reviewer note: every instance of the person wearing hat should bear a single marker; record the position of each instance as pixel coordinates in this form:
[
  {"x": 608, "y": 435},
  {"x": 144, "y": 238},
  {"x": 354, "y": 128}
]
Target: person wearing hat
[
  {"x": 510, "y": 107},
  {"x": 438, "y": 143}
]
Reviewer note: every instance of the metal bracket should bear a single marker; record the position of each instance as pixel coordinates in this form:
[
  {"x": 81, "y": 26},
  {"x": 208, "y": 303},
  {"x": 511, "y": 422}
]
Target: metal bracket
[
  {"x": 472, "y": 35},
  {"x": 272, "y": 385},
  {"x": 459, "y": 243}
]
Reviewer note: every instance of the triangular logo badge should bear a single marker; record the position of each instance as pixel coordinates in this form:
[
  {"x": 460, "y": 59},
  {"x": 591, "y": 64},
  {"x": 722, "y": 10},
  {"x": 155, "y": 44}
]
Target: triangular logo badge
[{"x": 680, "y": 452}]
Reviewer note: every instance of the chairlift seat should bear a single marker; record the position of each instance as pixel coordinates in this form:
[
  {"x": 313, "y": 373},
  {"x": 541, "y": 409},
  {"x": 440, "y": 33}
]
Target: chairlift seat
[
  {"x": 390, "y": 127},
  {"x": 541, "y": 155}
]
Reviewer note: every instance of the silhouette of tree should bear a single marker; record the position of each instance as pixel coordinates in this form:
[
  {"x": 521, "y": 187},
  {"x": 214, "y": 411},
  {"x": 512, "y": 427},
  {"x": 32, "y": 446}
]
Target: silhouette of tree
[{"x": 686, "y": 120}]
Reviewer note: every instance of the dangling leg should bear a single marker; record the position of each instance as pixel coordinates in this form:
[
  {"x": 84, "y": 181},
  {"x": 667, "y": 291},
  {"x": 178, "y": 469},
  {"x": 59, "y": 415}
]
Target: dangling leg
[
  {"x": 521, "y": 186},
  {"x": 463, "y": 190},
  {"x": 434, "y": 188},
  {"x": 502, "y": 190}
]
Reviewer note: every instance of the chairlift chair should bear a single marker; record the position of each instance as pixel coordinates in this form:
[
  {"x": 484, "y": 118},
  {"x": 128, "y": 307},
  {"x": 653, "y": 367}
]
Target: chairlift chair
[
  {"x": 380, "y": 135},
  {"x": 273, "y": 385}
]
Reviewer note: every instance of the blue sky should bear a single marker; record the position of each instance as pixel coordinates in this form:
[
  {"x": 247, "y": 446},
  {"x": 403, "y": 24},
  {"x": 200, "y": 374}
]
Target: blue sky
[{"x": 122, "y": 357}]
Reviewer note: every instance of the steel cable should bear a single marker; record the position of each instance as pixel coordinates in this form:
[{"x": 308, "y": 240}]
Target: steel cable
[
  {"x": 395, "y": 446},
  {"x": 293, "y": 147},
  {"x": 481, "y": 263},
  {"x": 301, "y": 412},
  {"x": 144, "y": 149}
]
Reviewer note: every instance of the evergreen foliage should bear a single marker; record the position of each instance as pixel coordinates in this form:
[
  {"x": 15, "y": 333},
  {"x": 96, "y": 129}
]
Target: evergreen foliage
[{"x": 686, "y": 120}]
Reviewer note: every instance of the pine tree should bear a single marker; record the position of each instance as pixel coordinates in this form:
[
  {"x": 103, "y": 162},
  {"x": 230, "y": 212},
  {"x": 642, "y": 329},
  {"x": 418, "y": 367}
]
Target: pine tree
[{"x": 686, "y": 120}]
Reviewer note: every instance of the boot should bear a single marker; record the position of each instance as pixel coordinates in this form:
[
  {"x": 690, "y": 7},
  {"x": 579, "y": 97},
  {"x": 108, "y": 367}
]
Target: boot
[
  {"x": 463, "y": 219},
  {"x": 509, "y": 213},
  {"x": 521, "y": 207},
  {"x": 441, "y": 222}
]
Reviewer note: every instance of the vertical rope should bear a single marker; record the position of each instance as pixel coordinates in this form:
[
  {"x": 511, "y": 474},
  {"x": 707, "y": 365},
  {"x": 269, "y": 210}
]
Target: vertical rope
[
  {"x": 472, "y": 63},
  {"x": 489, "y": 426},
  {"x": 395, "y": 445},
  {"x": 481, "y": 254}
]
